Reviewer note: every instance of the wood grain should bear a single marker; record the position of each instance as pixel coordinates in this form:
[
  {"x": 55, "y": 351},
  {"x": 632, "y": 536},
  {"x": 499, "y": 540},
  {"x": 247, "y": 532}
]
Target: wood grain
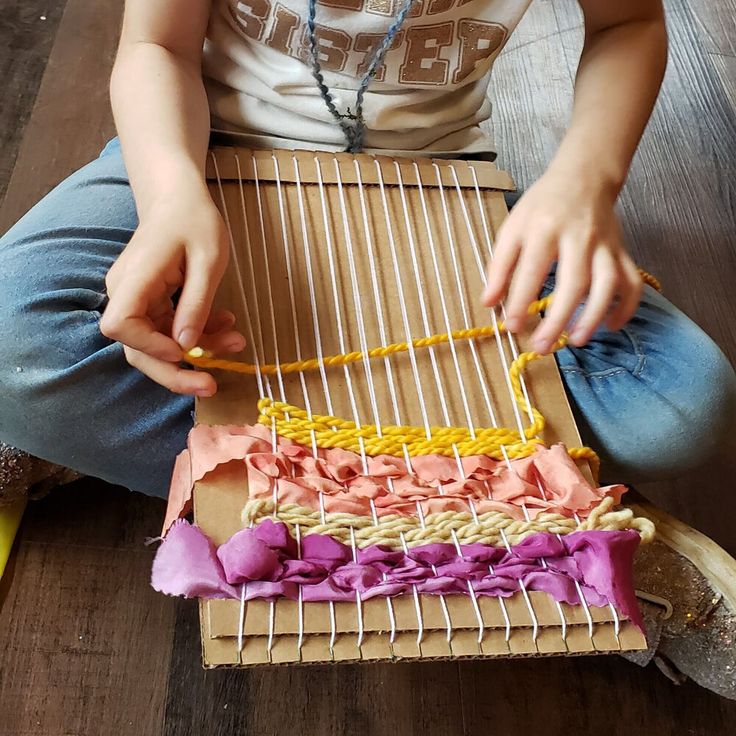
[
  {"x": 715, "y": 27},
  {"x": 558, "y": 697},
  {"x": 86, "y": 640},
  {"x": 327, "y": 700},
  {"x": 73, "y": 93},
  {"x": 28, "y": 28}
]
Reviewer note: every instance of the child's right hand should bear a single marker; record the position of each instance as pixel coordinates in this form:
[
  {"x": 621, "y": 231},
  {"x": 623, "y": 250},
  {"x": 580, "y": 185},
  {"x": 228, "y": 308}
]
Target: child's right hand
[{"x": 181, "y": 244}]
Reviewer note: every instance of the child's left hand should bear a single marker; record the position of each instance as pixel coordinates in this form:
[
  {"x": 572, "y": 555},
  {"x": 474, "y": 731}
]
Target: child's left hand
[{"x": 571, "y": 221}]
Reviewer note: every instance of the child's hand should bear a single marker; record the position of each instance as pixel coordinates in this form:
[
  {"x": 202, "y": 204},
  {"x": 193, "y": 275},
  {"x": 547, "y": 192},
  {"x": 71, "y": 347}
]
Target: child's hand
[
  {"x": 561, "y": 219},
  {"x": 181, "y": 243}
]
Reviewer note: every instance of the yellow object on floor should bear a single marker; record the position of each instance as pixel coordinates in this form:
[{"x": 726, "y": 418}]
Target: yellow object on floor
[{"x": 10, "y": 517}]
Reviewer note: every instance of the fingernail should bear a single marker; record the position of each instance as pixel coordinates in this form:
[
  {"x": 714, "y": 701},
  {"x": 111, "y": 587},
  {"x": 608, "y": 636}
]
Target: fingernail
[
  {"x": 204, "y": 393},
  {"x": 513, "y": 324},
  {"x": 542, "y": 345},
  {"x": 235, "y": 346},
  {"x": 187, "y": 338}
]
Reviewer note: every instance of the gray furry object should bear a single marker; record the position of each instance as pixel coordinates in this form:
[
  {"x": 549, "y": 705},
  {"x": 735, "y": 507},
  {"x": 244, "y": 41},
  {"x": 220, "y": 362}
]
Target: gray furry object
[{"x": 24, "y": 475}]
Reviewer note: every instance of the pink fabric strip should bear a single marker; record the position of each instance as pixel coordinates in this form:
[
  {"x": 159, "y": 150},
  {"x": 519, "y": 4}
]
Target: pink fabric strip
[
  {"x": 338, "y": 475},
  {"x": 265, "y": 559}
]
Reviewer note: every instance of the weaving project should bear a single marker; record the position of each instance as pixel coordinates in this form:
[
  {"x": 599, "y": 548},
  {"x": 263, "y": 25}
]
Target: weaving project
[{"x": 387, "y": 474}]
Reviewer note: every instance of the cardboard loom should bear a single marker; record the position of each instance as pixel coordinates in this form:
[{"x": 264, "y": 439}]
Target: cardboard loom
[{"x": 462, "y": 214}]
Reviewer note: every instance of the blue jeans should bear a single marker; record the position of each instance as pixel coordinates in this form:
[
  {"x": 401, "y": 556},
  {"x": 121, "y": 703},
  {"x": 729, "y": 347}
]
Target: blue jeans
[{"x": 654, "y": 399}]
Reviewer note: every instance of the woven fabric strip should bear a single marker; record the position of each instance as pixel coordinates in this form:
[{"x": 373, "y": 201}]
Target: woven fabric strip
[
  {"x": 547, "y": 481},
  {"x": 268, "y": 562}
]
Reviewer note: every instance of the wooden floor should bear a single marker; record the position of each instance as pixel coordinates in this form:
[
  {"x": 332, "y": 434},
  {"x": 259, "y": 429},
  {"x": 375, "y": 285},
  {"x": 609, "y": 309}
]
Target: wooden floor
[{"x": 88, "y": 649}]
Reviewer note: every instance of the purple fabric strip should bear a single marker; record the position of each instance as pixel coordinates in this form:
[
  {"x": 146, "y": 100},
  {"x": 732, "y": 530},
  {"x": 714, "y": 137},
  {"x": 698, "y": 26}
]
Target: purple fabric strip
[{"x": 264, "y": 559}]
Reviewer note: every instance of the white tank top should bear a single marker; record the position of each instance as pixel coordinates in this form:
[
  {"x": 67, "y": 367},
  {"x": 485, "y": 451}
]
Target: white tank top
[{"x": 430, "y": 93}]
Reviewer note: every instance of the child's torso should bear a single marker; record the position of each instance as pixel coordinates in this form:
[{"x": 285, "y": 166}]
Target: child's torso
[{"x": 430, "y": 92}]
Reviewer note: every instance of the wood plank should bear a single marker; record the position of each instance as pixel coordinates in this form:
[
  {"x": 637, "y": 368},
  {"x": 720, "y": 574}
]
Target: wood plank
[
  {"x": 531, "y": 90},
  {"x": 715, "y": 26},
  {"x": 584, "y": 695},
  {"x": 677, "y": 206},
  {"x": 85, "y": 639},
  {"x": 725, "y": 68},
  {"x": 28, "y": 31},
  {"x": 74, "y": 89}
]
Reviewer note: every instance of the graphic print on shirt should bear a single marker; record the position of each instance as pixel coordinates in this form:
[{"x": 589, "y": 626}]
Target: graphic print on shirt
[{"x": 439, "y": 44}]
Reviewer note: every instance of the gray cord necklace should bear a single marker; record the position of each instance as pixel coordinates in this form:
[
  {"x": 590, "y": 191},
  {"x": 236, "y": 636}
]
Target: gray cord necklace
[{"x": 352, "y": 123}]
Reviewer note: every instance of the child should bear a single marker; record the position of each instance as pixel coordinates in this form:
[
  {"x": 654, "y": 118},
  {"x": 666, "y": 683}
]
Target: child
[
  {"x": 90, "y": 272},
  {"x": 122, "y": 238}
]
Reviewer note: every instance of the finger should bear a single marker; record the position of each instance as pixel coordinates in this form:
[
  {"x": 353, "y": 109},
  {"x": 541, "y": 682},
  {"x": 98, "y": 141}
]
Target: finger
[
  {"x": 531, "y": 271},
  {"x": 163, "y": 324},
  {"x": 111, "y": 277},
  {"x": 204, "y": 271},
  {"x": 160, "y": 311},
  {"x": 219, "y": 319},
  {"x": 125, "y": 320},
  {"x": 630, "y": 291},
  {"x": 130, "y": 261},
  {"x": 501, "y": 268},
  {"x": 572, "y": 281},
  {"x": 602, "y": 291},
  {"x": 171, "y": 375},
  {"x": 225, "y": 341}
]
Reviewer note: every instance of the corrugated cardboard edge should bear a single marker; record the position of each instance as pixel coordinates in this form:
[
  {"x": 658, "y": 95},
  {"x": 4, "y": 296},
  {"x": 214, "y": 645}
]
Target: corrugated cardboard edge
[
  {"x": 223, "y": 651},
  {"x": 243, "y": 163}
]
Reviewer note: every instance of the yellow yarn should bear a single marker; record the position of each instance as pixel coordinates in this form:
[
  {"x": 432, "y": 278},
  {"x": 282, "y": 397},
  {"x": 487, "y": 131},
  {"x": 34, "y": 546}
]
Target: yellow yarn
[
  {"x": 333, "y": 432},
  {"x": 392, "y": 530},
  {"x": 296, "y": 424},
  {"x": 650, "y": 279},
  {"x": 202, "y": 359}
]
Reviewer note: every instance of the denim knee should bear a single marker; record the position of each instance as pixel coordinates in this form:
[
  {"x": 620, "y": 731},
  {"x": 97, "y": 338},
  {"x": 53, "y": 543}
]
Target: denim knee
[
  {"x": 48, "y": 329},
  {"x": 708, "y": 407},
  {"x": 53, "y": 264},
  {"x": 19, "y": 349},
  {"x": 664, "y": 434}
]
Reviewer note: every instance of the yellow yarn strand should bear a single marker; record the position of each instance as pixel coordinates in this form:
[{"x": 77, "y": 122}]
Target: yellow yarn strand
[
  {"x": 202, "y": 359},
  {"x": 329, "y": 432},
  {"x": 296, "y": 424},
  {"x": 394, "y": 529},
  {"x": 650, "y": 279}
]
